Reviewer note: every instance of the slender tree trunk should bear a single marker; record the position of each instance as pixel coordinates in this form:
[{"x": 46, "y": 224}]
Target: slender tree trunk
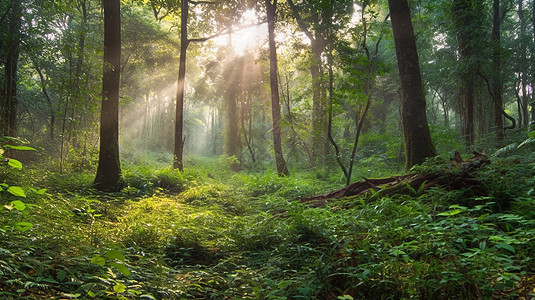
[
  {"x": 523, "y": 117},
  {"x": 532, "y": 75},
  {"x": 245, "y": 109},
  {"x": 48, "y": 100},
  {"x": 232, "y": 136},
  {"x": 497, "y": 70},
  {"x": 330, "y": 116},
  {"x": 214, "y": 132},
  {"x": 367, "y": 87},
  {"x": 416, "y": 135},
  {"x": 109, "y": 169},
  {"x": 145, "y": 117},
  {"x": 179, "y": 117},
  {"x": 444, "y": 106},
  {"x": 8, "y": 99},
  {"x": 282, "y": 169},
  {"x": 318, "y": 124}
]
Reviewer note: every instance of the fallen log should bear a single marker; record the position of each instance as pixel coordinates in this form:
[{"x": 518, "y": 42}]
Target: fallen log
[{"x": 457, "y": 175}]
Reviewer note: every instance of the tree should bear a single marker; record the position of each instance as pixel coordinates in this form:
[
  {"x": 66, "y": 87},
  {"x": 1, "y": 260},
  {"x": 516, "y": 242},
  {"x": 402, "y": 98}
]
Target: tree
[
  {"x": 317, "y": 47},
  {"x": 468, "y": 24},
  {"x": 179, "y": 117},
  {"x": 416, "y": 135},
  {"x": 523, "y": 67},
  {"x": 109, "y": 169},
  {"x": 232, "y": 93},
  {"x": 497, "y": 93},
  {"x": 282, "y": 169},
  {"x": 8, "y": 92},
  {"x": 184, "y": 43}
]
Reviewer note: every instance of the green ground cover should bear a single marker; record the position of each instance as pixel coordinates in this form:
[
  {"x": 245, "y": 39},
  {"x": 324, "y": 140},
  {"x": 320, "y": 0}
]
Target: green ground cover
[{"x": 210, "y": 233}]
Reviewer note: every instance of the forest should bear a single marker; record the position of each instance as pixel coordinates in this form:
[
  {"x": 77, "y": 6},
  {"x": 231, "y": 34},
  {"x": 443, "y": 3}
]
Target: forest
[{"x": 267, "y": 149}]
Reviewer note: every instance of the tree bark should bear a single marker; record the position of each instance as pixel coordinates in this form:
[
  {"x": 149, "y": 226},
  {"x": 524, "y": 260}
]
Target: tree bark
[
  {"x": 416, "y": 135},
  {"x": 532, "y": 76},
  {"x": 8, "y": 99},
  {"x": 497, "y": 69},
  {"x": 466, "y": 21},
  {"x": 109, "y": 169},
  {"x": 179, "y": 117},
  {"x": 523, "y": 116},
  {"x": 282, "y": 169}
]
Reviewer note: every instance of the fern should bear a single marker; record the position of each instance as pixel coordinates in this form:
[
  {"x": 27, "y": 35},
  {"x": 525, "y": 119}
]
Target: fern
[{"x": 31, "y": 284}]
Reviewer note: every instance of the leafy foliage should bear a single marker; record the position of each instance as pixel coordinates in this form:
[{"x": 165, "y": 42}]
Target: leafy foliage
[{"x": 238, "y": 235}]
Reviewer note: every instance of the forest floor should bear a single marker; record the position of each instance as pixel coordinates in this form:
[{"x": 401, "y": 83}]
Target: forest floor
[{"x": 210, "y": 233}]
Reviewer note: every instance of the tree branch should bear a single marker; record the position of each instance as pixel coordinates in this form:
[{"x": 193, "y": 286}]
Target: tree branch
[
  {"x": 204, "y": 2},
  {"x": 300, "y": 21},
  {"x": 5, "y": 14},
  {"x": 513, "y": 121},
  {"x": 223, "y": 32}
]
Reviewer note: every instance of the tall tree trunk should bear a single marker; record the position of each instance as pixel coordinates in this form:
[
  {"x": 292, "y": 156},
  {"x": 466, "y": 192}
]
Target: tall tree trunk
[
  {"x": 523, "y": 117},
  {"x": 109, "y": 169},
  {"x": 318, "y": 123},
  {"x": 497, "y": 70},
  {"x": 317, "y": 47},
  {"x": 8, "y": 99},
  {"x": 179, "y": 117},
  {"x": 282, "y": 169},
  {"x": 466, "y": 21},
  {"x": 533, "y": 71},
  {"x": 416, "y": 135}
]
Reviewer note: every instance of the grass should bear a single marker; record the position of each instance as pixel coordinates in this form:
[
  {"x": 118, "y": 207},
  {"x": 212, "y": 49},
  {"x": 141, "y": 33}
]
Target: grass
[{"x": 210, "y": 233}]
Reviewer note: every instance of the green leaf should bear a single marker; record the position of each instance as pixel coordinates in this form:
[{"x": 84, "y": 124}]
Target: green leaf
[
  {"x": 23, "y": 226},
  {"x": 61, "y": 275},
  {"x": 18, "y": 205},
  {"x": 19, "y": 147},
  {"x": 450, "y": 212},
  {"x": 119, "y": 288},
  {"x": 506, "y": 247},
  {"x": 17, "y": 191},
  {"x": 49, "y": 280},
  {"x": 115, "y": 254},
  {"x": 91, "y": 294},
  {"x": 72, "y": 296},
  {"x": 15, "y": 163},
  {"x": 532, "y": 134},
  {"x": 98, "y": 260},
  {"x": 38, "y": 192},
  {"x": 121, "y": 268}
]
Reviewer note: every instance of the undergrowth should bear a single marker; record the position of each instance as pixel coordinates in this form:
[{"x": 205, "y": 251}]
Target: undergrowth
[{"x": 211, "y": 233}]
